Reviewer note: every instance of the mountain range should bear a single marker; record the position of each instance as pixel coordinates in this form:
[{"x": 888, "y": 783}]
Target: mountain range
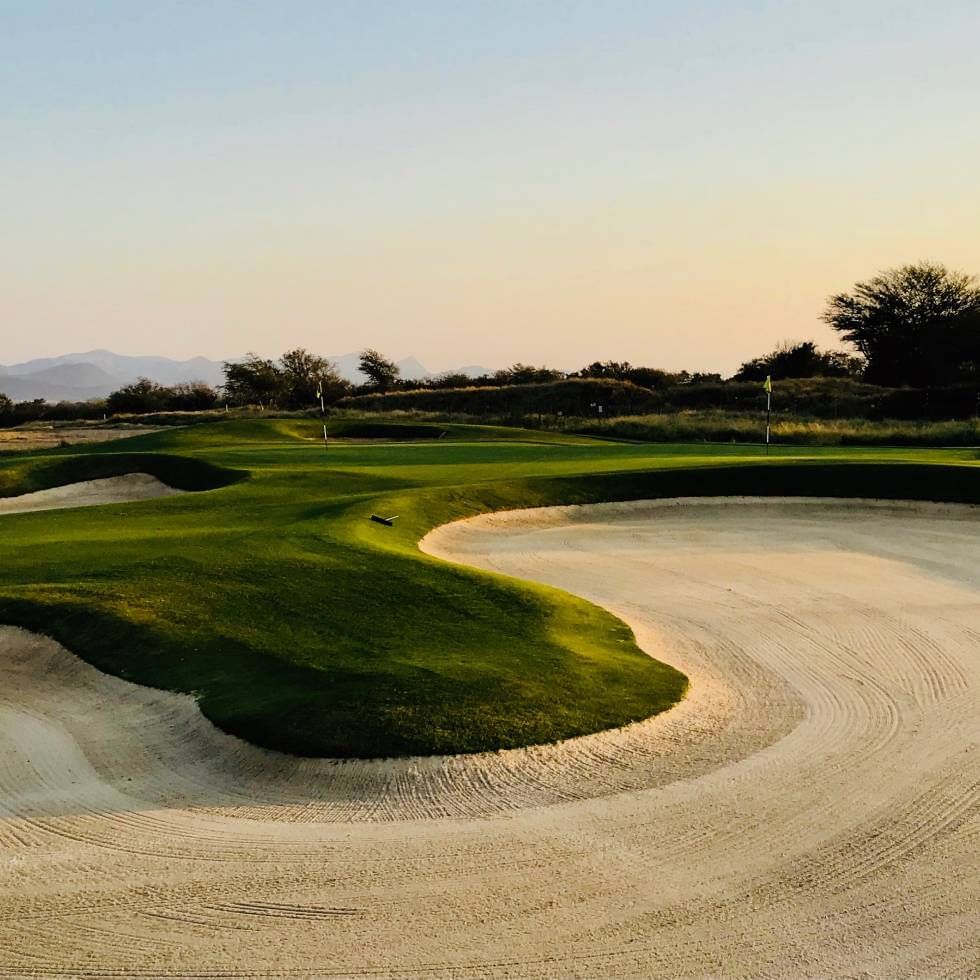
[{"x": 96, "y": 373}]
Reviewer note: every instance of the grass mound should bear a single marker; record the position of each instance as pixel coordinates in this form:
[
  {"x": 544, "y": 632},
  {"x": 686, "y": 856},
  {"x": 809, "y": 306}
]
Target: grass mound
[
  {"x": 180, "y": 472},
  {"x": 302, "y": 626}
]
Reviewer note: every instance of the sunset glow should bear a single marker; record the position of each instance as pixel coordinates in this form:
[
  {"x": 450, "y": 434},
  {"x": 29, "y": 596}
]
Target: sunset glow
[{"x": 675, "y": 184}]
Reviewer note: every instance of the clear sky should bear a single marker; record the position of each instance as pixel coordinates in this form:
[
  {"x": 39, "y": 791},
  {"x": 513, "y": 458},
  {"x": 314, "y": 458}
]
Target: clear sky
[{"x": 679, "y": 184}]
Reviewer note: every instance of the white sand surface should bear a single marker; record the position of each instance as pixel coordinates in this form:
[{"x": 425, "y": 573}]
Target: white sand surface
[
  {"x": 89, "y": 493},
  {"x": 811, "y": 809}
]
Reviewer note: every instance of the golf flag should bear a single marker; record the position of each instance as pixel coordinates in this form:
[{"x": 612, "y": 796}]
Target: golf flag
[{"x": 767, "y": 388}]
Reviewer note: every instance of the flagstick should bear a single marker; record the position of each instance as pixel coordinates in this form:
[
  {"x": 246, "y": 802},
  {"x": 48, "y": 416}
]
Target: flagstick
[
  {"x": 323, "y": 411},
  {"x": 768, "y": 416}
]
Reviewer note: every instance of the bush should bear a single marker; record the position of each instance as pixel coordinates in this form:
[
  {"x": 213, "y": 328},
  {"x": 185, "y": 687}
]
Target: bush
[
  {"x": 144, "y": 396},
  {"x": 39, "y": 410}
]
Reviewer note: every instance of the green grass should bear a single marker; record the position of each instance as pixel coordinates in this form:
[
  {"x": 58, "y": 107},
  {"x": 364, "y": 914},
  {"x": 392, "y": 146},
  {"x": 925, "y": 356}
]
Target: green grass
[{"x": 302, "y": 626}]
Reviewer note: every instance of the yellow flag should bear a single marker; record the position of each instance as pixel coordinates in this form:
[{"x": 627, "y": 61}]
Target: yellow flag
[{"x": 767, "y": 387}]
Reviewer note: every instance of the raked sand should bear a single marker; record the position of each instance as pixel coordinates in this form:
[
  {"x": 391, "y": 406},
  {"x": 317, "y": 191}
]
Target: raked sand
[{"x": 811, "y": 809}]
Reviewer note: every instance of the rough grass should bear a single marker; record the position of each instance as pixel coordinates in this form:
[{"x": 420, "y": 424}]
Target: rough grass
[
  {"x": 723, "y": 426},
  {"x": 302, "y": 626},
  {"x": 718, "y": 426}
]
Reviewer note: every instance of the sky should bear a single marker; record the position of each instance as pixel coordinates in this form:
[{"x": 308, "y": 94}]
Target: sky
[{"x": 676, "y": 184}]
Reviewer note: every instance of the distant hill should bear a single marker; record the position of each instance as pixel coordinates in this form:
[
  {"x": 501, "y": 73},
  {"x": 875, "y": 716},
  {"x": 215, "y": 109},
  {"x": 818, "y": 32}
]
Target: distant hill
[
  {"x": 96, "y": 373},
  {"x": 412, "y": 370}
]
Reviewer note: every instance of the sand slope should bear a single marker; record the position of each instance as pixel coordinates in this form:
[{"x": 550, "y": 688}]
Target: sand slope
[
  {"x": 812, "y": 808},
  {"x": 89, "y": 493}
]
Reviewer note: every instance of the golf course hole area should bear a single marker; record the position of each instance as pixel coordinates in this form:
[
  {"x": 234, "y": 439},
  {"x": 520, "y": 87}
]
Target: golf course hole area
[{"x": 812, "y": 806}]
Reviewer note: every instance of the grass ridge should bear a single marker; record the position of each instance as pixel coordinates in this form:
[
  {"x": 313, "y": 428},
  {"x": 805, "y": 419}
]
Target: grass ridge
[{"x": 32, "y": 473}]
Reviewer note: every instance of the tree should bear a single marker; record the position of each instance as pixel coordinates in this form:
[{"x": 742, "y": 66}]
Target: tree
[
  {"x": 304, "y": 373},
  {"x": 451, "y": 379},
  {"x": 144, "y": 396},
  {"x": 381, "y": 373},
  {"x": 526, "y": 374},
  {"x": 138, "y": 398},
  {"x": 254, "y": 381},
  {"x": 334, "y": 385},
  {"x": 915, "y": 325},
  {"x": 799, "y": 360},
  {"x": 841, "y": 364},
  {"x": 624, "y": 371},
  {"x": 191, "y": 396},
  {"x": 607, "y": 369}
]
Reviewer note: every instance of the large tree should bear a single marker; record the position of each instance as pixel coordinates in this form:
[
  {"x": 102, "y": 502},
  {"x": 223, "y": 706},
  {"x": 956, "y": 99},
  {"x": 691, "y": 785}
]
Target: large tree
[
  {"x": 381, "y": 373},
  {"x": 254, "y": 381},
  {"x": 305, "y": 373},
  {"x": 915, "y": 325}
]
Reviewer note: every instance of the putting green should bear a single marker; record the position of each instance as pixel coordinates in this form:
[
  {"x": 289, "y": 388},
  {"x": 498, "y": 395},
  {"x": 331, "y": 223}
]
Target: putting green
[{"x": 301, "y": 625}]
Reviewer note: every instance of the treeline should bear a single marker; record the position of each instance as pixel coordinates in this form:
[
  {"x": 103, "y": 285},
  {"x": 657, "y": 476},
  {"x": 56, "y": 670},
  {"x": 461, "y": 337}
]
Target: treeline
[
  {"x": 39, "y": 410},
  {"x": 915, "y": 330},
  {"x": 801, "y": 360},
  {"x": 917, "y": 327},
  {"x": 570, "y": 396},
  {"x": 528, "y": 374},
  {"x": 297, "y": 379},
  {"x": 294, "y": 381},
  {"x": 819, "y": 398},
  {"x": 147, "y": 396},
  {"x": 139, "y": 398}
]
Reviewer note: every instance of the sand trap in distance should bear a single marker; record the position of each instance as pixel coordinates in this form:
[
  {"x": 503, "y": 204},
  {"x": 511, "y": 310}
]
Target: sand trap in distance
[
  {"x": 811, "y": 808},
  {"x": 90, "y": 493}
]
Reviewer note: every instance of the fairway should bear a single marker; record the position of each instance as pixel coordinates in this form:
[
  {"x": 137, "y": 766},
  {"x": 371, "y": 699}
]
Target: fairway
[{"x": 300, "y": 625}]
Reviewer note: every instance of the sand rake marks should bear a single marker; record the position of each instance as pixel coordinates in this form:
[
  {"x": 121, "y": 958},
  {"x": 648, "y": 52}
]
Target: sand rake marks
[{"x": 282, "y": 910}]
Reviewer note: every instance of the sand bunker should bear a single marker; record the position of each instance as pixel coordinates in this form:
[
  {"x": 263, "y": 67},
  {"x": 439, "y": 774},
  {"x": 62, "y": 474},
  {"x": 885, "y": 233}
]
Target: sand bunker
[
  {"x": 89, "y": 493},
  {"x": 812, "y": 808}
]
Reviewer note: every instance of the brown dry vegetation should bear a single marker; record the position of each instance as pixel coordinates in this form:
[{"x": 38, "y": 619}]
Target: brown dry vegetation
[{"x": 51, "y": 436}]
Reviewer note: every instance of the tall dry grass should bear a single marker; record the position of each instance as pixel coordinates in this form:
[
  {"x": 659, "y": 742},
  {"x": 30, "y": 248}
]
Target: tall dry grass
[{"x": 715, "y": 426}]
